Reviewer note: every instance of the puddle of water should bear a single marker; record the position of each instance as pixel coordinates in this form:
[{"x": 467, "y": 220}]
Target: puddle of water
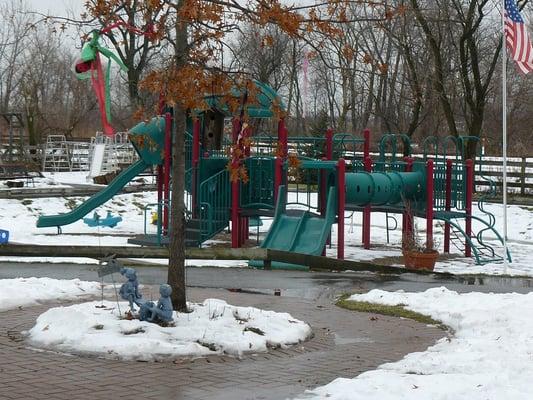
[{"x": 339, "y": 340}]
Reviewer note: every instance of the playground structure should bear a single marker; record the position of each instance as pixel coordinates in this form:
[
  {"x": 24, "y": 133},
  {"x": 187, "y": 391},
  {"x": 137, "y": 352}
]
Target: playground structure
[
  {"x": 336, "y": 174},
  {"x": 101, "y": 155}
]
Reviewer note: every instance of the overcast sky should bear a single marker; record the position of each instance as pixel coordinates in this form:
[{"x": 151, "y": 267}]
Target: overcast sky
[{"x": 55, "y": 7}]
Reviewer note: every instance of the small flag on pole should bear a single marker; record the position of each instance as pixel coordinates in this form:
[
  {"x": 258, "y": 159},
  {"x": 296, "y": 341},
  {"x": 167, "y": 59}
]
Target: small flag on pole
[{"x": 517, "y": 38}]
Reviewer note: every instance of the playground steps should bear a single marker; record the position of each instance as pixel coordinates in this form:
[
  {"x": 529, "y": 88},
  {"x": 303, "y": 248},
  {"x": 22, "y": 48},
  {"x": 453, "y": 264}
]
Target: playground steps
[
  {"x": 56, "y": 154},
  {"x": 193, "y": 236},
  {"x": 485, "y": 252},
  {"x": 481, "y": 251}
]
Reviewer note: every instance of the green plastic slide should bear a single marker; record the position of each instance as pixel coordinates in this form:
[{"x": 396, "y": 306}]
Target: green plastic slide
[
  {"x": 96, "y": 200},
  {"x": 303, "y": 233}
]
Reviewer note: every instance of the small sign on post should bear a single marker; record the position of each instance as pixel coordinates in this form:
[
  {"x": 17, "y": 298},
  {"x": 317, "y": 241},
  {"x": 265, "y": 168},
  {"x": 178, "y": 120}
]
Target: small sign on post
[{"x": 109, "y": 265}]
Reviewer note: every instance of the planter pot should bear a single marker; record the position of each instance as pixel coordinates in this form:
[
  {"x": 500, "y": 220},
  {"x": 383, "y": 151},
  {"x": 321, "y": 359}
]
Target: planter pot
[{"x": 420, "y": 260}]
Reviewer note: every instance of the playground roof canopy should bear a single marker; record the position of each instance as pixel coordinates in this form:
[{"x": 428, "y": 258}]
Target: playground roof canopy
[{"x": 261, "y": 107}]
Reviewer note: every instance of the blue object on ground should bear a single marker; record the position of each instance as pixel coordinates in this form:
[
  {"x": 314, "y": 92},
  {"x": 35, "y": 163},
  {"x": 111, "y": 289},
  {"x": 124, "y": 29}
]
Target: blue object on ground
[
  {"x": 4, "y": 236},
  {"x": 109, "y": 220},
  {"x": 160, "y": 312},
  {"x": 96, "y": 200}
]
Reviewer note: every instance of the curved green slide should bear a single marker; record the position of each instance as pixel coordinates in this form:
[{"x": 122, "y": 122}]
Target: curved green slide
[
  {"x": 96, "y": 200},
  {"x": 304, "y": 233}
]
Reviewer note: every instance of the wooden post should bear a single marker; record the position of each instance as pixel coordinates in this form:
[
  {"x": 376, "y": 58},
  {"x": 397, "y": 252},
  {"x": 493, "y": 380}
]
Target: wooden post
[{"x": 523, "y": 177}]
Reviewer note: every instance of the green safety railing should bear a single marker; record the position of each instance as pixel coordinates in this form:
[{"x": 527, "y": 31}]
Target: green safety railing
[
  {"x": 159, "y": 207},
  {"x": 348, "y": 146},
  {"x": 389, "y": 150},
  {"x": 258, "y": 192},
  {"x": 214, "y": 199}
]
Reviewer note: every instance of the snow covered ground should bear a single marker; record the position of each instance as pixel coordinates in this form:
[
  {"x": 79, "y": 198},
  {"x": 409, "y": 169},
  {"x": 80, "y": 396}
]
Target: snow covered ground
[
  {"x": 20, "y": 216},
  {"x": 489, "y": 356},
  {"x": 30, "y": 291},
  {"x": 213, "y": 327}
]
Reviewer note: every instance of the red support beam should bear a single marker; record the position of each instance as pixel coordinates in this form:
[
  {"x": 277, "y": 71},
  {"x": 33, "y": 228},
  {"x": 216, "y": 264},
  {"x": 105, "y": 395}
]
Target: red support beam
[
  {"x": 329, "y": 144},
  {"x": 407, "y": 217},
  {"x": 166, "y": 173},
  {"x": 195, "y": 165},
  {"x": 282, "y": 138},
  {"x": 235, "y": 220},
  {"x": 366, "y": 146},
  {"x": 341, "y": 203},
  {"x": 235, "y": 189},
  {"x": 159, "y": 195},
  {"x": 236, "y": 129},
  {"x": 367, "y": 211},
  {"x": 448, "y": 204},
  {"x": 429, "y": 203},
  {"x": 469, "y": 166},
  {"x": 278, "y": 174}
]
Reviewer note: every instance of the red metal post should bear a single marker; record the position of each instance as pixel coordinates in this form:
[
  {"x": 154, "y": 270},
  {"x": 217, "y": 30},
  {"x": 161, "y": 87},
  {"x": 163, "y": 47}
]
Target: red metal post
[
  {"x": 366, "y": 146},
  {"x": 235, "y": 220},
  {"x": 235, "y": 214},
  {"x": 278, "y": 173},
  {"x": 323, "y": 190},
  {"x": 469, "y": 165},
  {"x": 159, "y": 195},
  {"x": 429, "y": 203},
  {"x": 329, "y": 144},
  {"x": 448, "y": 204},
  {"x": 236, "y": 129},
  {"x": 407, "y": 217},
  {"x": 367, "y": 211},
  {"x": 341, "y": 202},
  {"x": 195, "y": 164},
  {"x": 282, "y": 138},
  {"x": 166, "y": 174}
]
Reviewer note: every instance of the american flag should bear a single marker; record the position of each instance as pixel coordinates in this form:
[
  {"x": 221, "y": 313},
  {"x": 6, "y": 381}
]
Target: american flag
[{"x": 517, "y": 37}]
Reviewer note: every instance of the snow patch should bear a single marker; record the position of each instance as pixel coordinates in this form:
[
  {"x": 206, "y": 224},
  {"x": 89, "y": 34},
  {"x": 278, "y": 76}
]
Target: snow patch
[
  {"x": 212, "y": 327},
  {"x": 29, "y": 291},
  {"x": 490, "y": 355}
]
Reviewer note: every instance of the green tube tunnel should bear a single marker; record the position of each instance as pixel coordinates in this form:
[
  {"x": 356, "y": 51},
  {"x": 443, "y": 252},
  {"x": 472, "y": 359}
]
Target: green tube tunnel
[{"x": 383, "y": 188}]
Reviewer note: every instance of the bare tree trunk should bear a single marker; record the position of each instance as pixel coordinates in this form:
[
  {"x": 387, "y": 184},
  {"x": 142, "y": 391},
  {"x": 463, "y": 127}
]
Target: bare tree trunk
[{"x": 176, "y": 261}]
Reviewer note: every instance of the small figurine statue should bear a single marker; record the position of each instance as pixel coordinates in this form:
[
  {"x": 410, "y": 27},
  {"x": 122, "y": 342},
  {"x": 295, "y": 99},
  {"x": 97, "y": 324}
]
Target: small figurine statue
[
  {"x": 162, "y": 312},
  {"x": 130, "y": 290}
]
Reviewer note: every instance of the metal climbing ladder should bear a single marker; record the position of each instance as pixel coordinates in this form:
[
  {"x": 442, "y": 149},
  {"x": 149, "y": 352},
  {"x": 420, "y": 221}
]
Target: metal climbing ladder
[
  {"x": 458, "y": 209},
  {"x": 56, "y": 154}
]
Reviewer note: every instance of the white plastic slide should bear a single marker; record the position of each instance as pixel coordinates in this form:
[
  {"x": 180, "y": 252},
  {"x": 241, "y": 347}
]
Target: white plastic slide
[{"x": 97, "y": 160}]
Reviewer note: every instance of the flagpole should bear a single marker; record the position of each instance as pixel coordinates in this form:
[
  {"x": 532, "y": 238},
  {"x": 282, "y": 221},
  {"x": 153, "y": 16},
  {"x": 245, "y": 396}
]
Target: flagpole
[{"x": 504, "y": 138}]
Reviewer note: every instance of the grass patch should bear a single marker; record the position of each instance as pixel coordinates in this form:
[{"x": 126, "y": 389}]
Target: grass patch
[{"x": 392, "y": 311}]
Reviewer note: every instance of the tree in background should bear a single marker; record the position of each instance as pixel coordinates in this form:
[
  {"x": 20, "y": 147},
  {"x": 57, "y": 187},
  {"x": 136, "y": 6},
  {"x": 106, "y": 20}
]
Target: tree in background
[{"x": 137, "y": 52}]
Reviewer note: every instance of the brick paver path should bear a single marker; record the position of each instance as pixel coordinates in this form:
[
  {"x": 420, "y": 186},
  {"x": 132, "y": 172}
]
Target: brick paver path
[{"x": 345, "y": 344}]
